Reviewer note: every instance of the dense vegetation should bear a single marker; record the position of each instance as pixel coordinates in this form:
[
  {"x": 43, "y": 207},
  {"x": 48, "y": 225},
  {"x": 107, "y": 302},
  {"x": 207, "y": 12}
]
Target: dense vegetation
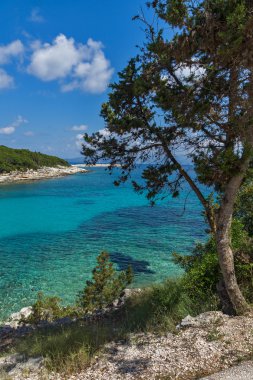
[{"x": 23, "y": 159}]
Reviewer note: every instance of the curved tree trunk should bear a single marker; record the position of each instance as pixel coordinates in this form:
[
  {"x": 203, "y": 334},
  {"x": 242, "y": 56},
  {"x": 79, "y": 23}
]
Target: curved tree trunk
[
  {"x": 226, "y": 260},
  {"x": 223, "y": 241}
]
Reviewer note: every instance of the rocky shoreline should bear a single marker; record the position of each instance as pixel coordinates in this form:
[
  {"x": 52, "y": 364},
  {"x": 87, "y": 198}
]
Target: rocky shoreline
[{"x": 40, "y": 174}]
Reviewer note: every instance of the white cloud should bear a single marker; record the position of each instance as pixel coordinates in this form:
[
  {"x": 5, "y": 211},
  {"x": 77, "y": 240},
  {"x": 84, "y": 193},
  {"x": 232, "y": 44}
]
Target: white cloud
[
  {"x": 7, "y": 52},
  {"x": 81, "y": 127},
  {"x": 79, "y": 140},
  {"x": 36, "y": 16},
  {"x": 83, "y": 65},
  {"x": 92, "y": 76},
  {"x": 74, "y": 65},
  {"x": 104, "y": 132},
  {"x": 55, "y": 61},
  {"x": 11, "y": 128},
  {"x": 7, "y": 130},
  {"x": 6, "y": 81},
  {"x": 195, "y": 70}
]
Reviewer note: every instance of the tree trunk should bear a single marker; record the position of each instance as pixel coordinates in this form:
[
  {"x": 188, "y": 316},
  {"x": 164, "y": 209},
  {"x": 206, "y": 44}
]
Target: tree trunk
[
  {"x": 226, "y": 304},
  {"x": 226, "y": 260},
  {"x": 223, "y": 241}
]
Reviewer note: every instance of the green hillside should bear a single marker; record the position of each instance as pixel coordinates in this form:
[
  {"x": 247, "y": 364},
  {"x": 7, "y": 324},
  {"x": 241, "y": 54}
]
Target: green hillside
[{"x": 23, "y": 159}]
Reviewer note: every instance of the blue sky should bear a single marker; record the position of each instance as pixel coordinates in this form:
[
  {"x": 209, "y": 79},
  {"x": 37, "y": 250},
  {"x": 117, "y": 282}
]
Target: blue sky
[{"x": 56, "y": 60}]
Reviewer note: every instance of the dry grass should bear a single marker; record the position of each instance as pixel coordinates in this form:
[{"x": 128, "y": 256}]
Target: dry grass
[{"x": 69, "y": 348}]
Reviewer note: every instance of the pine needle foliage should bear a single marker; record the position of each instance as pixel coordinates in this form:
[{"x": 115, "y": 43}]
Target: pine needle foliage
[{"x": 106, "y": 285}]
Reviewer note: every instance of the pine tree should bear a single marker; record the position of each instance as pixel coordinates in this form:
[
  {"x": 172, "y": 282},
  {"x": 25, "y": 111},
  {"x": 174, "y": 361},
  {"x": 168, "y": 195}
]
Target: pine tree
[
  {"x": 106, "y": 285},
  {"x": 193, "y": 92}
]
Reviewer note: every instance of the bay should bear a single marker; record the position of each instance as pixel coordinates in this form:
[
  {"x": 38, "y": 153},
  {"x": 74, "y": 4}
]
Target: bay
[{"x": 51, "y": 232}]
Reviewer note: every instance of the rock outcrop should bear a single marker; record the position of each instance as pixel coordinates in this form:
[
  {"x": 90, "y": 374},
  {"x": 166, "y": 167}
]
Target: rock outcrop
[{"x": 42, "y": 173}]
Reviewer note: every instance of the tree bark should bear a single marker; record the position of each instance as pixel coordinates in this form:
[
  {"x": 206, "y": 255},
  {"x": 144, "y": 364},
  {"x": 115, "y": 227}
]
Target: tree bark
[
  {"x": 226, "y": 305},
  {"x": 223, "y": 241}
]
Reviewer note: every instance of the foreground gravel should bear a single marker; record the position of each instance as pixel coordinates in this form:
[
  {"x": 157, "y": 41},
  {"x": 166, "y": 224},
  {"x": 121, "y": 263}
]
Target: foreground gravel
[
  {"x": 243, "y": 371},
  {"x": 204, "y": 345}
]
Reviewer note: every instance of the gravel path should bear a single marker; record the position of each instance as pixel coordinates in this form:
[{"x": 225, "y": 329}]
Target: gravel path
[{"x": 243, "y": 371}]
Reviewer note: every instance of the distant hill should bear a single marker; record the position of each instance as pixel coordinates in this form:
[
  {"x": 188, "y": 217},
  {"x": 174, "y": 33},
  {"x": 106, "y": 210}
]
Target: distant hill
[{"x": 23, "y": 159}]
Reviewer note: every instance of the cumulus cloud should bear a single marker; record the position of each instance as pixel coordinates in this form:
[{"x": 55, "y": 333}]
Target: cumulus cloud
[
  {"x": 7, "y": 52},
  {"x": 11, "y": 128},
  {"x": 36, "y": 16},
  {"x": 81, "y": 127},
  {"x": 54, "y": 61},
  {"x": 82, "y": 66},
  {"x": 6, "y": 81}
]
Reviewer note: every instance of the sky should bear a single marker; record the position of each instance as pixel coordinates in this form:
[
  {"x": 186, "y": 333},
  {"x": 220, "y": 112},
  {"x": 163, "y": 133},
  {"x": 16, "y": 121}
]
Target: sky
[{"x": 56, "y": 61}]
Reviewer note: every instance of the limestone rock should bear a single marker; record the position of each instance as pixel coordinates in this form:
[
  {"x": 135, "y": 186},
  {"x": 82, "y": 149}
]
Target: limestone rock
[
  {"x": 16, "y": 318},
  {"x": 16, "y": 365},
  {"x": 204, "y": 319},
  {"x": 42, "y": 173}
]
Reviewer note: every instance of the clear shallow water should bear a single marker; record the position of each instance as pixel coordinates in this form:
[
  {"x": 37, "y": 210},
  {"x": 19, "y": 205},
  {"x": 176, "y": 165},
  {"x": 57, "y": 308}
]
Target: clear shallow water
[{"x": 51, "y": 232}]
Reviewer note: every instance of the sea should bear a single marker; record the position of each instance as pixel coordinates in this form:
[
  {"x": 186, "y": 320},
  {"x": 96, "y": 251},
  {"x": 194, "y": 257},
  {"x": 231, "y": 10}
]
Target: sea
[{"x": 51, "y": 232}]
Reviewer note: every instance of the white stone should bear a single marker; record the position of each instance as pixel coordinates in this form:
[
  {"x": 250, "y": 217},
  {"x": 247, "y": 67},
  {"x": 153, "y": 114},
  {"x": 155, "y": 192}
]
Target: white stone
[
  {"x": 15, "y": 318},
  {"x": 42, "y": 173}
]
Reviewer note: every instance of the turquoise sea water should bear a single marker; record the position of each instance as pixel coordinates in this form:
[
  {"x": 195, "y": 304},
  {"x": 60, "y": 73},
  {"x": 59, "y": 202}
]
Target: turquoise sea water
[{"x": 51, "y": 232}]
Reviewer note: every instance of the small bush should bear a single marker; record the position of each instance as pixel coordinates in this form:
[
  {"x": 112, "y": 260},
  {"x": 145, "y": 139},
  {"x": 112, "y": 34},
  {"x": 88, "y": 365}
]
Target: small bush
[
  {"x": 158, "y": 308},
  {"x": 49, "y": 309},
  {"x": 202, "y": 271},
  {"x": 106, "y": 285},
  {"x": 243, "y": 206}
]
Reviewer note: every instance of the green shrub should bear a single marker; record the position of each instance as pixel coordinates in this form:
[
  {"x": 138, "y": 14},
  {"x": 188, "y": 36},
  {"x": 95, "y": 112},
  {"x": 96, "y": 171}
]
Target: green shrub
[
  {"x": 159, "y": 308},
  {"x": 243, "y": 207},
  {"x": 202, "y": 271},
  {"x": 49, "y": 309},
  {"x": 106, "y": 285}
]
